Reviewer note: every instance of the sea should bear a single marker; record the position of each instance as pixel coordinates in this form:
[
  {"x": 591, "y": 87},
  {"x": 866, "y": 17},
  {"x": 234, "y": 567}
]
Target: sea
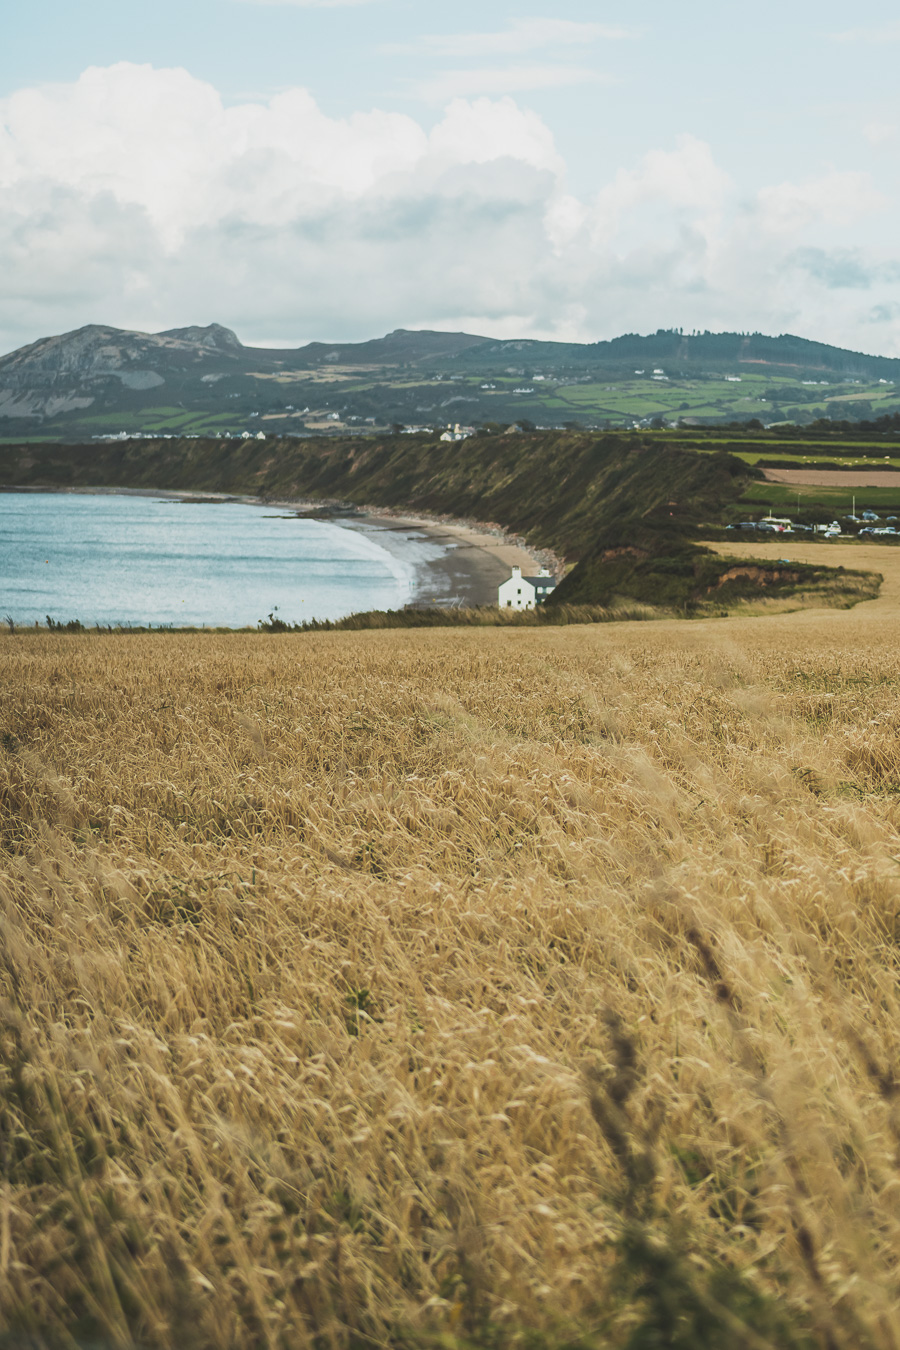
[{"x": 140, "y": 560}]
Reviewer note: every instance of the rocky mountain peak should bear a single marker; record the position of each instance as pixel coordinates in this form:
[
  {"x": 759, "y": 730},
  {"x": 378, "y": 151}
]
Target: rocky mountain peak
[{"x": 214, "y": 335}]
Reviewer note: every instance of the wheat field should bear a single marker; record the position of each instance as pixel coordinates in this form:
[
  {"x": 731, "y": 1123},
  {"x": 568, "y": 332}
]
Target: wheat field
[{"x": 452, "y": 988}]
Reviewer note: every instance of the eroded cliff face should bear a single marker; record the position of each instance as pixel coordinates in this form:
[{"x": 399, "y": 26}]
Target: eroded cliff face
[{"x": 759, "y": 576}]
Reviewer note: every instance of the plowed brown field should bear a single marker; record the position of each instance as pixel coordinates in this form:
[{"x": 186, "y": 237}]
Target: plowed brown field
[{"x": 841, "y": 478}]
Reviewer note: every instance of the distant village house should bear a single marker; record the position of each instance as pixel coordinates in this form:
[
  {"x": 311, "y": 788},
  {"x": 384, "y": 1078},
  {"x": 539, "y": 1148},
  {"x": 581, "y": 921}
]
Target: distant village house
[
  {"x": 525, "y": 592},
  {"x": 457, "y": 433}
]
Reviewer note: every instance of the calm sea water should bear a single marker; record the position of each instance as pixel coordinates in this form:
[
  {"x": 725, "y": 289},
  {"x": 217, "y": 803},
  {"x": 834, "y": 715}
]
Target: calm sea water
[{"x": 141, "y": 560}]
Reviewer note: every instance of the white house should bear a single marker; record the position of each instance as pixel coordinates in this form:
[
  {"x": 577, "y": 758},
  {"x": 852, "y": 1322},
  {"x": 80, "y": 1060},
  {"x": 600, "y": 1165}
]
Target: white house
[
  {"x": 525, "y": 592},
  {"x": 457, "y": 433}
]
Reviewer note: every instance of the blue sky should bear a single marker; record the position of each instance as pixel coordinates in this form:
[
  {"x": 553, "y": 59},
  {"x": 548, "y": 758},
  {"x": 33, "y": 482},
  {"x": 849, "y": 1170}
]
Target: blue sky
[{"x": 300, "y": 171}]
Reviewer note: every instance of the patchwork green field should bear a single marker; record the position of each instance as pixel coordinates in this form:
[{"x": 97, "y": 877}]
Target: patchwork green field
[
  {"x": 865, "y": 456},
  {"x": 786, "y": 497},
  {"x": 352, "y": 399}
]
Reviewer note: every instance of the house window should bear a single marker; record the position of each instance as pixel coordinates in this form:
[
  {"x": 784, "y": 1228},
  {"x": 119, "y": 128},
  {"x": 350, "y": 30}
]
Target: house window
[
  {"x": 509, "y": 604},
  {"x": 518, "y": 592}
]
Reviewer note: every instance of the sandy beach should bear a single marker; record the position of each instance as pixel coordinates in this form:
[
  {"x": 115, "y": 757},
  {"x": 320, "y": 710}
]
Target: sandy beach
[{"x": 473, "y": 561}]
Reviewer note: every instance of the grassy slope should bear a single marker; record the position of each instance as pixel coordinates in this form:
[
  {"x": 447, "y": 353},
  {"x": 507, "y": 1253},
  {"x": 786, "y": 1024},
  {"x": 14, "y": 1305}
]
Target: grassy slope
[
  {"x": 663, "y": 569},
  {"x": 505, "y": 987},
  {"x": 643, "y": 548}
]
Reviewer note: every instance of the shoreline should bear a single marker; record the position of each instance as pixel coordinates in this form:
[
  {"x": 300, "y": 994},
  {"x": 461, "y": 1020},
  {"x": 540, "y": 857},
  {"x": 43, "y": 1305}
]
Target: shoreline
[
  {"x": 475, "y": 560},
  {"x": 476, "y": 556}
]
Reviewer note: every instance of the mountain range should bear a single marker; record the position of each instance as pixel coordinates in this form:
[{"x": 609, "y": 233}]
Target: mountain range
[{"x": 100, "y": 380}]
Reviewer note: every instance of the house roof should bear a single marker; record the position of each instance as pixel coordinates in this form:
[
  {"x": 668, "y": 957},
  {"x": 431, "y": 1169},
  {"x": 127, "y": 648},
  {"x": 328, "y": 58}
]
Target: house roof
[{"x": 544, "y": 582}]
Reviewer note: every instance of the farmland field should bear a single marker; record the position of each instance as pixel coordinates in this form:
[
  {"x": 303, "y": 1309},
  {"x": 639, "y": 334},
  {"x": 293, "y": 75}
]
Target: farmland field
[
  {"x": 296, "y": 402},
  {"x": 824, "y": 459},
  {"x": 868, "y": 476},
  {"x": 453, "y": 988},
  {"x": 785, "y": 496}
]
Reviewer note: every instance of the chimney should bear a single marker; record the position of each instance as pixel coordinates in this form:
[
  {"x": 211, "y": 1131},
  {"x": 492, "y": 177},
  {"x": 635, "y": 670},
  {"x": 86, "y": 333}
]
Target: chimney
[{"x": 517, "y": 571}]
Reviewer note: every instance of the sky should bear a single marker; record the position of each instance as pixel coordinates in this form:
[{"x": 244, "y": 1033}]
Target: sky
[{"x": 336, "y": 169}]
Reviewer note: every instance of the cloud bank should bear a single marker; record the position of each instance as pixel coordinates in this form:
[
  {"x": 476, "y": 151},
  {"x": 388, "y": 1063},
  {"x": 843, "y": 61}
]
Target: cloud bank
[{"x": 134, "y": 196}]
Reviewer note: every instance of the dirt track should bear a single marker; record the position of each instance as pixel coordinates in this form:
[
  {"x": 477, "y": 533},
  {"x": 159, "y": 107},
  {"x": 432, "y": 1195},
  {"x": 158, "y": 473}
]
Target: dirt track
[{"x": 842, "y": 478}]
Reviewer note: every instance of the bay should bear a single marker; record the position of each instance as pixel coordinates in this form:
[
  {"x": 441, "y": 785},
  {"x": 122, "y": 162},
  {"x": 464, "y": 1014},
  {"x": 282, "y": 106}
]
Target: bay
[{"x": 140, "y": 560}]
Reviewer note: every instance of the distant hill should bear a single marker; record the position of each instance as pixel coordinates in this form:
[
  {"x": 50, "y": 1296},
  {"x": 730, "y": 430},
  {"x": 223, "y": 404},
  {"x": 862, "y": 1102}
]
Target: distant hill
[
  {"x": 202, "y": 380},
  {"x": 682, "y": 353},
  {"x": 112, "y": 370}
]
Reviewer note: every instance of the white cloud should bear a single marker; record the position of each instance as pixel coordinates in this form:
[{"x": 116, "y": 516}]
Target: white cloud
[
  {"x": 486, "y": 129},
  {"x": 134, "y": 196},
  {"x": 523, "y": 35},
  {"x": 836, "y": 198},
  {"x": 564, "y": 220},
  {"x": 164, "y": 141},
  {"x": 682, "y": 183},
  {"x": 437, "y": 89}
]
